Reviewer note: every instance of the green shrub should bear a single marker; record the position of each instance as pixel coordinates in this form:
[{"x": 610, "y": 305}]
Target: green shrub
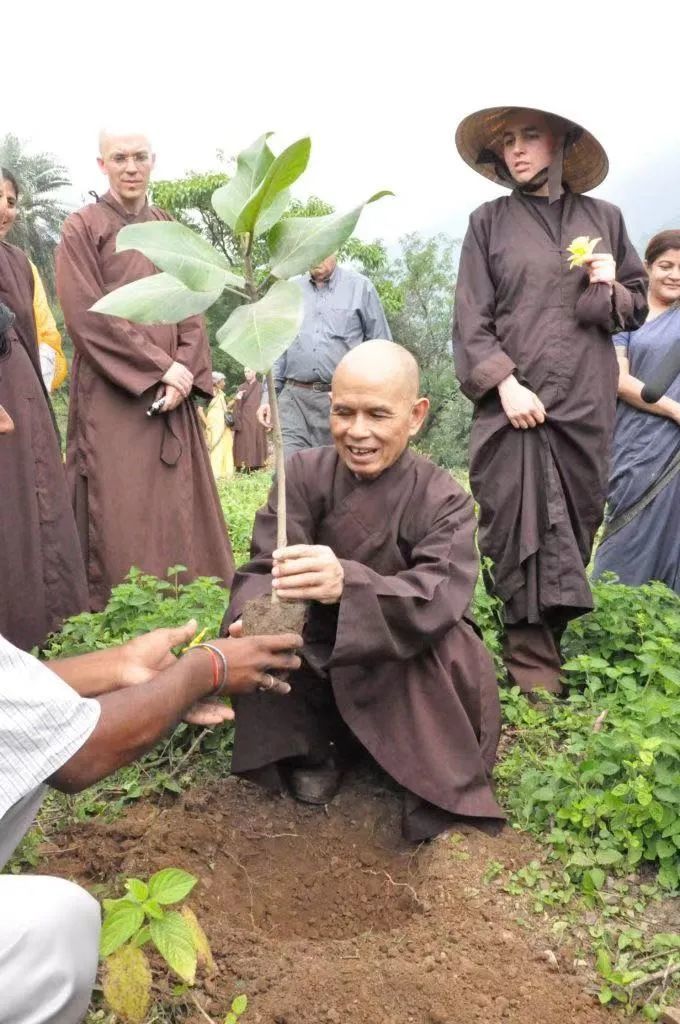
[
  {"x": 140, "y": 604},
  {"x": 598, "y": 775},
  {"x": 241, "y": 497}
]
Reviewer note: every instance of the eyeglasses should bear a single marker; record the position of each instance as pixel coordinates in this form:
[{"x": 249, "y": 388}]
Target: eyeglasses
[{"x": 137, "y": 158}]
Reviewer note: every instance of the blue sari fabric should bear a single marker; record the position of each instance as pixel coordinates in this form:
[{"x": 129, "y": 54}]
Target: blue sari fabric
[{"x": 648, "y": 547}]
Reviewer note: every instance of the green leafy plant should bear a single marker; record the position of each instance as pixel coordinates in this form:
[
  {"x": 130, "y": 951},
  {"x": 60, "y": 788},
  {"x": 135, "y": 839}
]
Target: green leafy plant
[
  {"x": 194, "y": 274},
  {"x": 142, "y": 917},
  {"x": 139, "y": 604},
  {"x": 598, "y": 775}
]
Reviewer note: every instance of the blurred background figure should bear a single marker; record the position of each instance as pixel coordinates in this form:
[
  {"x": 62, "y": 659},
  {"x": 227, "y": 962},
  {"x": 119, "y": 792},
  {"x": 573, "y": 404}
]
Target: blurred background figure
[
  {"x": 217, "y": 421},
  {"x": 53, "y": 363},
  {"x": 250, "y": 437},
  {"x": 641, "y": 540}
]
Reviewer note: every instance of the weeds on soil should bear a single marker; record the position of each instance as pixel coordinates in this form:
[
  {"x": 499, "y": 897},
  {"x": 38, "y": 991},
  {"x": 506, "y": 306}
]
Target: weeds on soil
[{"x": 142, "y": 918}]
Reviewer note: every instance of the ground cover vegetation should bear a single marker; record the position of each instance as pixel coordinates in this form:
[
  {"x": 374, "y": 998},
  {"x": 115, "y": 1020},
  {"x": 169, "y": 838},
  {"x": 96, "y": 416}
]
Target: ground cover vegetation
[{"x": 594, "y": 779}]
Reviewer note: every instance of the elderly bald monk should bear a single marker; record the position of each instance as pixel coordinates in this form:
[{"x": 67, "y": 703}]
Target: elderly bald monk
[
  {"x": 381, "y": 545},
  {"x": 142, "y": 488}
]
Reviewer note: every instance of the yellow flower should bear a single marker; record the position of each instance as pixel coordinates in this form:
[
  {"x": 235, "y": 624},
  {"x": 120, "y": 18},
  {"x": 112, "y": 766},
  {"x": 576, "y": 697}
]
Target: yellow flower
[{"x": 580, "y": 249}]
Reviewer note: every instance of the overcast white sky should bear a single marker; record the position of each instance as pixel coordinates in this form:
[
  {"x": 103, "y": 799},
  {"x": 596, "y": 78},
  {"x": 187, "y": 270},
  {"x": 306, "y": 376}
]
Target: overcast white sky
[{"x": 379, "y": 88}]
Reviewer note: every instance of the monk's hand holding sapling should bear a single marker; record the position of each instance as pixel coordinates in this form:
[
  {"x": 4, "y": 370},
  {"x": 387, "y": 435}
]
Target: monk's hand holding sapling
[
  {"x": 308, "y": 572},
  {"x": 523, "y": 408}
]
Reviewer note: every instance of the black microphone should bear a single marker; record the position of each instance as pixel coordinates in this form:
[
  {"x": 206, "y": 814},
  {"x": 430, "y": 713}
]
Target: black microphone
[{"x": 667, "y": 370}]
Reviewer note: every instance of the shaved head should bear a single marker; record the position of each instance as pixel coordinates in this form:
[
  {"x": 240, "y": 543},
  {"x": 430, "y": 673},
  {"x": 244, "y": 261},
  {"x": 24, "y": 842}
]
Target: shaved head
[
  {"x": 381, "y": 362},
  {"x": 109, "y": 139},
  {"x": 375, "y": 408},
  {"x": 127, "y": 161}
]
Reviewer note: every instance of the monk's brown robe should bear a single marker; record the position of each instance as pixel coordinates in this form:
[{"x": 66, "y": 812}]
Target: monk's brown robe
[
  {"x": 250, "y": 437},
  {"x": 43, "y": 577},
  {"x": 399, "y": 653},
  {"x": 142, "y": 487},
  {"x": 541, "y": 492}
]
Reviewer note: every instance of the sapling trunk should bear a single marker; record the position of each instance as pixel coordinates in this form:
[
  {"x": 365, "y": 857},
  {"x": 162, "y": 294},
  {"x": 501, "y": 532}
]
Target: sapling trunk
[
  {"x": 281, "y": 531},
  {"x": 271, "y": 615}
]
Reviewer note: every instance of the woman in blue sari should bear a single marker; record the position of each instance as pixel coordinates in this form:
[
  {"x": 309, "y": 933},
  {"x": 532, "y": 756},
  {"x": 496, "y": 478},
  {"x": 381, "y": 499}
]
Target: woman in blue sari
[{"x": 641, "y": 539}]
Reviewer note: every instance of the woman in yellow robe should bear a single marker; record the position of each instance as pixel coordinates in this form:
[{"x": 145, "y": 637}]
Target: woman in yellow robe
[
  {"x": 53, "y": 363},
  {"x": 219, "y": 437}
]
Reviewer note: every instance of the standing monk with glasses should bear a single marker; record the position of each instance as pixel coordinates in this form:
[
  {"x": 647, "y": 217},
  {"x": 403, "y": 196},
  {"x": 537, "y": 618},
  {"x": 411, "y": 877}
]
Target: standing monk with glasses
[
  {"x": 142, "y": 487},
  {"x": 532, "y": 347}
]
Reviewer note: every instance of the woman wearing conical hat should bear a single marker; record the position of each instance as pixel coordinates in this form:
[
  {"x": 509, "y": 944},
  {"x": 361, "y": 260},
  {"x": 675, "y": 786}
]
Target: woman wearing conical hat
[{"x": 532, "y": 348}]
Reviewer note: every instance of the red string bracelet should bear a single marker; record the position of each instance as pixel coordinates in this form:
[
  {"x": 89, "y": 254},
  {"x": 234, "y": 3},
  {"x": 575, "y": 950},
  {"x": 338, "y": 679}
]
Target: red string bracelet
[{"x": 219, "y": 666}]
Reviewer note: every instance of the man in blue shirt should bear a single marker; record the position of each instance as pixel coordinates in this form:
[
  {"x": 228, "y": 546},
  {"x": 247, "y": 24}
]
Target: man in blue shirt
[{"x": 342, "y": 309}]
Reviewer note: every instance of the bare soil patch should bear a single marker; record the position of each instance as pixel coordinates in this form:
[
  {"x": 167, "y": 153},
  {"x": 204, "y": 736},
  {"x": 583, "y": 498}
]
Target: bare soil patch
[{"x": 329, "y": 917}]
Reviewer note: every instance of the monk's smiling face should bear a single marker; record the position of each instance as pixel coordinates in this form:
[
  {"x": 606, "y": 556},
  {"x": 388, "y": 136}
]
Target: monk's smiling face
[{"x": 375, "y": 407}]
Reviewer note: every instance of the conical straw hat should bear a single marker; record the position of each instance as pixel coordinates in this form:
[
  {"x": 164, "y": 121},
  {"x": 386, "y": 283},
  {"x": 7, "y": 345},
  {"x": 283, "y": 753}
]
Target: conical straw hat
[{"x": 585, "y": 161}]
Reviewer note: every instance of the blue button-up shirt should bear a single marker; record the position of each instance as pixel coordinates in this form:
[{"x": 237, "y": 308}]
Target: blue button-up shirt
[{"x": 338, "y": 315}]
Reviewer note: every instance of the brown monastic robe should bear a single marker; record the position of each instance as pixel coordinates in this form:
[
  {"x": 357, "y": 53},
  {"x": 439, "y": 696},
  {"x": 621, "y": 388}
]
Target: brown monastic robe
[
  {"x": 142, "y": 487},
  {"x": 250, "y": 437},
  {"x": 43, "y": 577},
  {"x": 541, "y": 492},
  {"x": 399, "y": 653}
]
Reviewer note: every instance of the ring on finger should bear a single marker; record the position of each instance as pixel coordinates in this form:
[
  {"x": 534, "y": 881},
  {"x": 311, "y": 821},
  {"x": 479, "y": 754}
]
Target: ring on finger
[{"x": 268, "y": 683}]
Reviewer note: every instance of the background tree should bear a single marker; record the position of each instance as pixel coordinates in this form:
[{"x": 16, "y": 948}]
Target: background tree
[
  {"x": 423, "y": 279},
  {"x": 41, "y": 210}
]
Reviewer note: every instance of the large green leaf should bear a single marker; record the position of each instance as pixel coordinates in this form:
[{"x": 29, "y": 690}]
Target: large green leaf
[
  {"x": 285, "y": 169},
  {"x": 159, "y": 299},
  {"x": 256, "y": 334},
  {"x": 181, "y": 252},
  {"x": 251, "y": 166},
  {"x": 299, "y": 243},
  {"x": 172, "y": 938},
  {"x": 171, "y": 885},
  {"x": 121, "y": 921},
  {"x": 269, "y": 217}
]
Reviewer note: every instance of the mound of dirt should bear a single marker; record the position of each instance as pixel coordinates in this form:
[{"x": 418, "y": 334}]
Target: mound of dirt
[{"x": 328, "y": 917}]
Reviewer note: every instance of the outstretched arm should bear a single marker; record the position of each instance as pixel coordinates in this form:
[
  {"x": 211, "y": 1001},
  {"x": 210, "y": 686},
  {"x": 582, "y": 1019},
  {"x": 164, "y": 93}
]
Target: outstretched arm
[{"x": 135, "y": 717}]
